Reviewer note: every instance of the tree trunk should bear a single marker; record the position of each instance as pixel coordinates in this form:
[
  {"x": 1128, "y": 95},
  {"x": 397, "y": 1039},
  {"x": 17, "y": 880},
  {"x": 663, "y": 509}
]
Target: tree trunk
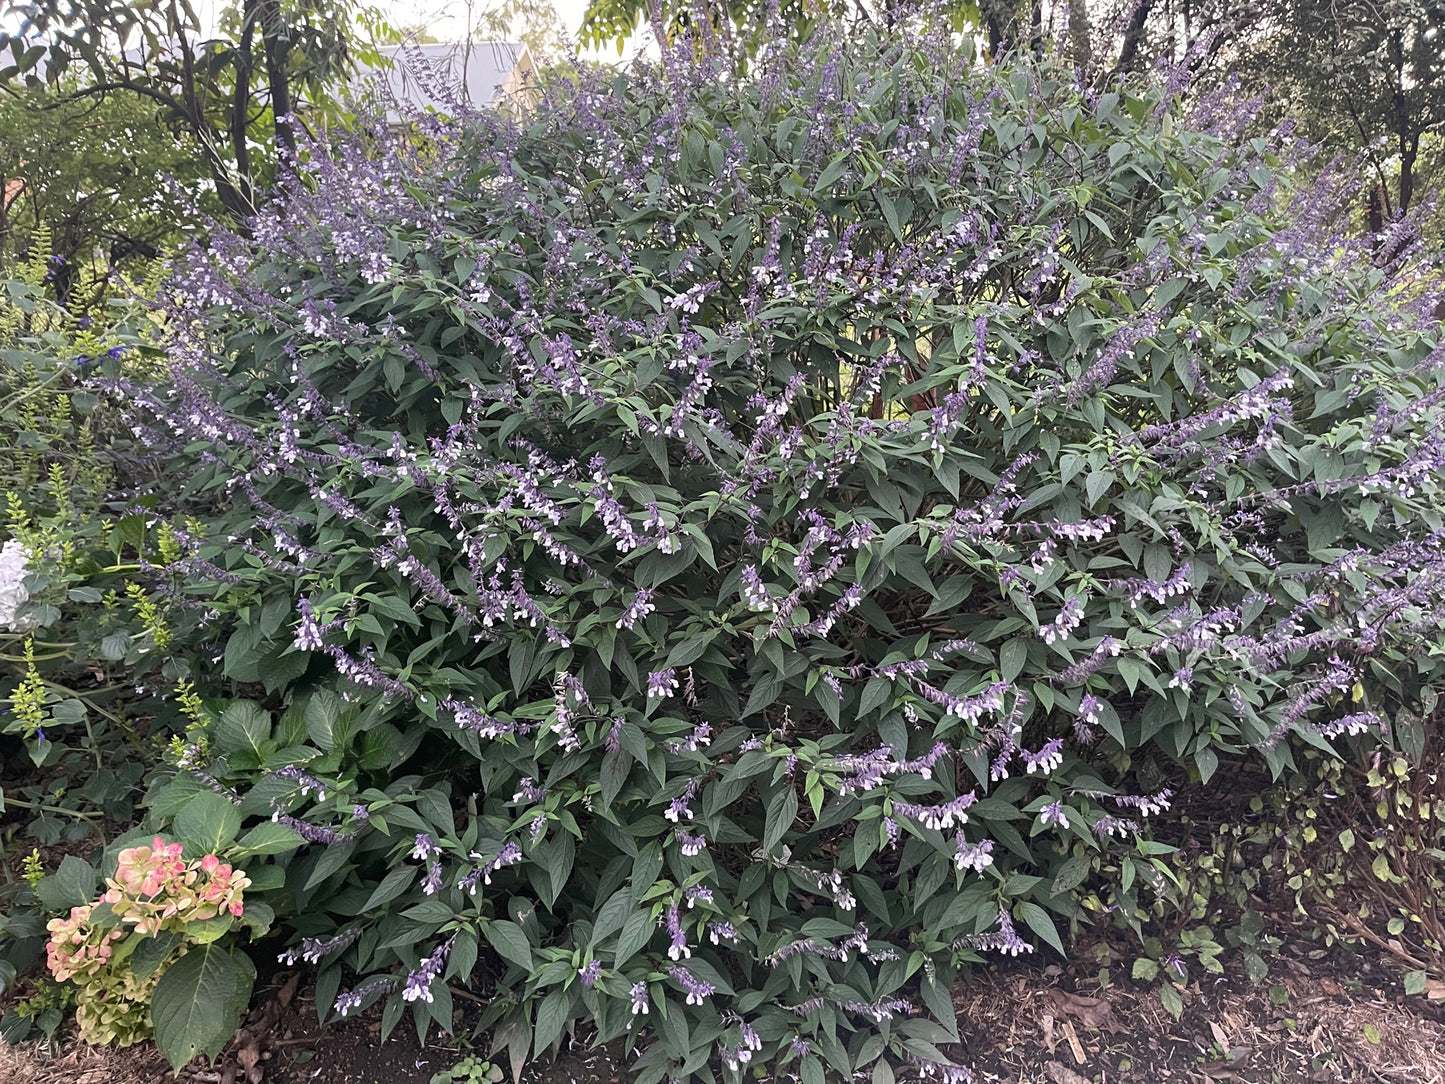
[
  {"x": 278, "y": 77},
  {"x": 1375, "y": 210},
  {"x": 1133, "y": 36},
  {"x": 1408, "y": 154},
  {"x": 241, "y": 102},
  {"x": 1080, "y": 52},
  {"x": 1409, "y": 138}
]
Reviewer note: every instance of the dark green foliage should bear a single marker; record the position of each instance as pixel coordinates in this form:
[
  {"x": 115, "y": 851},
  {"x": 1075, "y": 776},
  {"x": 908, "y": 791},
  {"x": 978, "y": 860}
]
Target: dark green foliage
[{"x": 778, "y": 540}]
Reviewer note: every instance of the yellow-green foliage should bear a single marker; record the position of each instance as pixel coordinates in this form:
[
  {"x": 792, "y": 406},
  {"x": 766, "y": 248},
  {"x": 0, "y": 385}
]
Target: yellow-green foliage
[{"x": 47, "y": 441}]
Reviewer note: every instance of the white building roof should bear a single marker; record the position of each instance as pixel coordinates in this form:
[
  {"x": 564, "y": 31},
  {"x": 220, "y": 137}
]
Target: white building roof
[{"x": 422, "y": 77}]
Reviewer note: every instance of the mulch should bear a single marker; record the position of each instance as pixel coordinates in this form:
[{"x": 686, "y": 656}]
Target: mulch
[{"x": 1319, "y": 1016}]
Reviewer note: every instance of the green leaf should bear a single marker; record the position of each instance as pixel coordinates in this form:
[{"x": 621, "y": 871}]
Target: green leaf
[
  {"x": 1145, "y": 969},
  {"x": 207, "y": 823},
  {"x": 636, "y": 932},
  {"x": 113, "y": 648},
  {"x": 392, "y": 885},
  {"x": 206, "y": 930},
  {"x": 242, "y": 727},
  {"x": 1171, "y": 999},
  {"x": 464, "y": 954},
  {"x": 1416, "y": 982},
  {"x": 198, "y": 1002},
  {"x": 268, "y": 838},
  {"x": 551, "y": 1018},
  {"x": 1071, "y": 874},
  {"x": 1207, "y": 761},
  {"x": 13, "y": 1027},
  {"x": 690, "y": 650},
  {"x": 258, "y": 917},
  {"x": 510, "y": 942},
  {"x": 323, "y": 718},
  {"x": 1012, "y": 657},
  {"x": 782, "y": 811},
  {"x": 72, "y": 885},
  {"x": 1039, "y": 921},
  {"x": 332, "y": 859}
]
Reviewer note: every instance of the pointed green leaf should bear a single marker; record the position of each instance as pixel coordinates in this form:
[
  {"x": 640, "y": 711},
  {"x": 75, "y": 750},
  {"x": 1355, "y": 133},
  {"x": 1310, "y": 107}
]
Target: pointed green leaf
[{"x": 198, "y": 1002}]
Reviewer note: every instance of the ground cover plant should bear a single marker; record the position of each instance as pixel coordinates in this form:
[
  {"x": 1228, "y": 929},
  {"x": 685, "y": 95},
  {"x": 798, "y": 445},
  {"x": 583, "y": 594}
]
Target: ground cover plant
[{"x": 711, "y": 557}]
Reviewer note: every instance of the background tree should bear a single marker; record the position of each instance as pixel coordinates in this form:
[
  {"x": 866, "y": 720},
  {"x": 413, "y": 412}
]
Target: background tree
[
  {"x": 1363, "y": 76},
  {"x": 743, "y": 25},
  {"x": 95, "y": 173},
  {"x": 536, "y": 23},
  {"x": 224, "y": 90}
]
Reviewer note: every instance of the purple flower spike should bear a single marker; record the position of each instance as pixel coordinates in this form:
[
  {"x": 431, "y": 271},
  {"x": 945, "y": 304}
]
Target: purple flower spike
[
  {"x": 639, "y": 999},
  {"x": 698, "y": 990}
]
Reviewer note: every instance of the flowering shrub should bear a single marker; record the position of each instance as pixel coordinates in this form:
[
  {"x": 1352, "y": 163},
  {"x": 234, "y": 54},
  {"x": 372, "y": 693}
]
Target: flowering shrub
[
  {"x": 119, "y": 949},
  {"x": 778, "y": 539}
]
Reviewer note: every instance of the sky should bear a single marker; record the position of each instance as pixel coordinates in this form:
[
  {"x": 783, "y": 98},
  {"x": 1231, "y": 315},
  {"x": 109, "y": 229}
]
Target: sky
[{"x": 447, "y": 19}]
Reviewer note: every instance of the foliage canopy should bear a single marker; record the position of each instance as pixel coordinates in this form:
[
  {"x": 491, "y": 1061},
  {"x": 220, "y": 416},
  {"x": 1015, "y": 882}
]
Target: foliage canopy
[{"x": 723, "y": 554}]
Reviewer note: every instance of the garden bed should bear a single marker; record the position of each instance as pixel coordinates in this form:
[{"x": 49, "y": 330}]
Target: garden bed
[{"x": 1321, "y": 1017}]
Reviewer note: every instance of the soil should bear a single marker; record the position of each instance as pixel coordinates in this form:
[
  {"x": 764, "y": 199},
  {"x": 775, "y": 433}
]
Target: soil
[{"x": 1318, "y": 1017}]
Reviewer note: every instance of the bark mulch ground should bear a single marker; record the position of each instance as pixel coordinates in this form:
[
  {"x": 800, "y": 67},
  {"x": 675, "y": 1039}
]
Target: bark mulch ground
[{"x": 1318, "y": 1017}]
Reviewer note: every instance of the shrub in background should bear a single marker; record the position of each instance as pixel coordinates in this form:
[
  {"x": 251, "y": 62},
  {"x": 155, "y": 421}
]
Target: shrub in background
[
  {"x": 780, "y": 539},
  {"x": 87, "y": 632},
  {"x": 78, "y": 606}
]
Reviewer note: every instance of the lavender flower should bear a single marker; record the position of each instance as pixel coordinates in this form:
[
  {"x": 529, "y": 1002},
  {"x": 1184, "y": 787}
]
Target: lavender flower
[
  {"x": 639, "y": 608},
  {"x": 974, "y": 856},
  {"x": 1068, "y": 619},
  {"x": 1005, "y": 939},
  {"x": 881, "y": 1010},
  {"x": 528, "y": 791},
  {"x": 351, "y": 1000},
  {"x": 941, "y": 817},
  {"x": 1110, "y": 826},
  {"x": 1046, "y": 759},
  {"x": 718, "y": 932},
  {"x": 307, "y": 783},
  {"x": 698, "y": 892},
  {"x": 1054, "y": 814},
  {"x": 589, "y": 972},
  {"x": 661, "y": 683},
  {"x": 1146, "y": 804},
  {"x": 419, "y": 982},
  {"x": 680, "y": 808},
  {"x": 315, "y": 949},
  {"x": 677, "y": 948},
  {"x": 639, "y": 999},
  {"x": 510, "y": 854},
  {"x": 698, "y": 990},
  {"x": 313, "y": 833}
]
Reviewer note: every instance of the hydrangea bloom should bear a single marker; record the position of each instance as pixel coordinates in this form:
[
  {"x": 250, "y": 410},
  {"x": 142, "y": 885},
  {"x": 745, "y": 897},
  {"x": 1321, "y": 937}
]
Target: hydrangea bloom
[{"x": 14, "y": 562}]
